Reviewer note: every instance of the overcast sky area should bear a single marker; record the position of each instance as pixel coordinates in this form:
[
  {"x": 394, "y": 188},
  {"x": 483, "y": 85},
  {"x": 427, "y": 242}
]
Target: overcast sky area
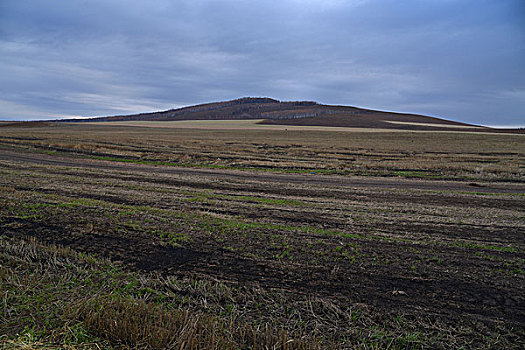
[{"x": 457, "y": 59}]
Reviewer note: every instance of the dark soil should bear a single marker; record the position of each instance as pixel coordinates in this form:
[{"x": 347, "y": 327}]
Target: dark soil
[{"x": 396, "y": 276}]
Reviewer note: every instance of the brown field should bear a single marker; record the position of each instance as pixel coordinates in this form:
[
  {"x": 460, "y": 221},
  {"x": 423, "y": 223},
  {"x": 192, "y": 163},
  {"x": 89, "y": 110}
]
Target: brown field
[
  {"x": 436, "y": 124},
  {"x": 252, "y": 124},
  {"x": 262, "y": 124},
  {"x": 129, "y": 237}
]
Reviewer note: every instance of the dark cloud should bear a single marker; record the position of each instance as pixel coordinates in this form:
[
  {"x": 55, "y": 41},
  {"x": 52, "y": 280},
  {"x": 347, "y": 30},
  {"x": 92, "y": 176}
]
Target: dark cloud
[{"x": 457, "y": 59}]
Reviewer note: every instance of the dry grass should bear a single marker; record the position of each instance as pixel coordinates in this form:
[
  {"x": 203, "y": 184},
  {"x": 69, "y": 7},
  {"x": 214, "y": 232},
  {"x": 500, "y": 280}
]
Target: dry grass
[
  {"x": 136, "y": 323},
  {"x": 149, "y": 256},
  {"x": 252, "y": 124},
  {"x": 452, "y": 126},
  {"x": 437, "y": 155},
  {"x": 53, "y": 295}
]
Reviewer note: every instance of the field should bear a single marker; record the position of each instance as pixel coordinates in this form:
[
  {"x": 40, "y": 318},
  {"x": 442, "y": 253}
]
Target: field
[
  {"x": 117, "y": 236},
  {"x": 251, "y": 124}
]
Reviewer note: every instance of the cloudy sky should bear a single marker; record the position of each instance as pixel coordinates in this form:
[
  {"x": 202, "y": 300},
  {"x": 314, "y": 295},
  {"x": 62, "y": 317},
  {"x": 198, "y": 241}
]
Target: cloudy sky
[{"x": 457, "y": 59}]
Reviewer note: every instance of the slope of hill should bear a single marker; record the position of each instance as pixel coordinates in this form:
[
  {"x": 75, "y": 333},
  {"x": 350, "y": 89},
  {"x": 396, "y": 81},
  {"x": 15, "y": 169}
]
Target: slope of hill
[{"x": 305, "y": 113}]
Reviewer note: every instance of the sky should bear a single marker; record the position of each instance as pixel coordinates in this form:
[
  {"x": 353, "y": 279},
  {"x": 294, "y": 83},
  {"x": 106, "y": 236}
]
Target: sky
[{"x": 457, "y": 59}]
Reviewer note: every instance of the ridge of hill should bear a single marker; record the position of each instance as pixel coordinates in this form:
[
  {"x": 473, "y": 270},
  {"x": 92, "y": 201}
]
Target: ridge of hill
[
  {"x": 242, "y": 108},
  {"x": 303, "y": 113}
]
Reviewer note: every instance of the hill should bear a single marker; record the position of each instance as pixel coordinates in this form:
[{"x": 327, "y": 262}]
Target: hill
[{"x": 305, "y": 113}]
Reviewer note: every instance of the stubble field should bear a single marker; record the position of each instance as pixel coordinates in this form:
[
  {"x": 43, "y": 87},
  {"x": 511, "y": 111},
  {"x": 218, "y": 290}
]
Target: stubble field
[{"x": 118, "y": 237}]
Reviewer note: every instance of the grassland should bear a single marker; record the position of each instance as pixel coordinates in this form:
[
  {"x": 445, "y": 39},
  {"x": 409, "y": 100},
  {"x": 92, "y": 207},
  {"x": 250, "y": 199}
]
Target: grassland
[
  {"x": 127, "y": 237},
  {"x": 452, "y": 155}
]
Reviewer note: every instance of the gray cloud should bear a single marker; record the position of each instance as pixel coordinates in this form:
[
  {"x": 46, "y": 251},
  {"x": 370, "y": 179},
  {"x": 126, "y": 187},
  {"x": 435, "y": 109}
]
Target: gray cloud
[{"x": 456, "y": 59}]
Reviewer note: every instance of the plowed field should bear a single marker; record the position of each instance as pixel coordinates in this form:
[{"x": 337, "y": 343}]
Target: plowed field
[{"x": 401, "y": 254}]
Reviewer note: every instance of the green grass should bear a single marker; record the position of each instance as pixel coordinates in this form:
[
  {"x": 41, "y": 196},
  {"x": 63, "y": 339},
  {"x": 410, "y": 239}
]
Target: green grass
[
  {"x": 485, "y": 247},
  {"x": 60, "y": 298},
  {"x": 216, "y": 166},
  {"x": 418, "y": 174},
  {"x": 203, "y": 196}
]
